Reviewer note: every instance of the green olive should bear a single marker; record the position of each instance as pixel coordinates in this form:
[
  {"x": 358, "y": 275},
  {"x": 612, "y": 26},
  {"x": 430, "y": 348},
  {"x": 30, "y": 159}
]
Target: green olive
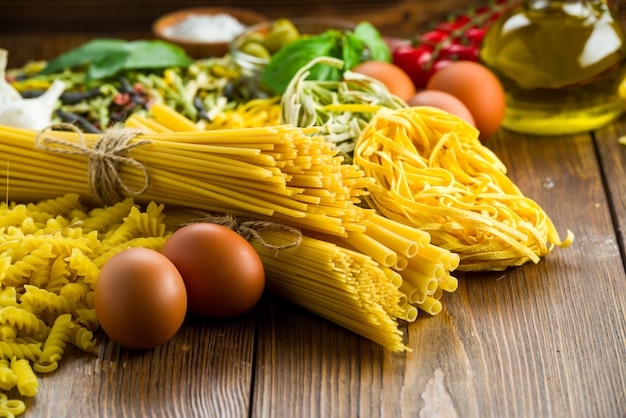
[
  {"x": 283, "y": 32},
  {"x": 256, "y": 49},
  {"x": 255, "y": 37}
]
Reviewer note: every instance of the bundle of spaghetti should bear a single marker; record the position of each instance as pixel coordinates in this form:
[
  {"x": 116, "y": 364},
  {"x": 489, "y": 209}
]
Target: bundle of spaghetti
[
  {"x": 357, "y": 281},
  {"x": 389, "y": 243},
  {"x": 343, "y": 286},
  {"x": 280, "y": 172},
  {"x": 432, "y": 172},
  {"x": 51, "y": 252},
  {"x": 425, "y": 269}
]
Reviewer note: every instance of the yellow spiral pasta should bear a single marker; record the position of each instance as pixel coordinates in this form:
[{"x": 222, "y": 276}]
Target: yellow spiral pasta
[
  {"x": 83, "y": 265},
  {"x": 10, "y": 408},
  {"x": 8, "y": 296},
  {"x": 103, "y": 218},
  {"x": 82, "y": 338},
  {"x": 27, "y": 382},
  {"x": 50, "y": 255},
  {"x": 76, "y": 291},
  {"x": 8, "y": 378},
  {"x": 87, "y": 316},
  {"x": 30, "y": 351},
  {"x": 25, "y": 322},
  {"x": 18, "y": 272},
  {"x": 54, "y": 345},
  {"x": 433, "y": 173}
]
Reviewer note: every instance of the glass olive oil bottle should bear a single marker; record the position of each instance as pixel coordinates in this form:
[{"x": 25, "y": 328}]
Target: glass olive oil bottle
[{"x": 560, "y": 63}]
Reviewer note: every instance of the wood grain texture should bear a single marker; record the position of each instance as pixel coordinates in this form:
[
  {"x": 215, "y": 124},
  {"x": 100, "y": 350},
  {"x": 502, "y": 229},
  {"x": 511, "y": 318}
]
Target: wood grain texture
[
  {"x": 206, "y": 370},
  {"x": 545, "y": 340}
]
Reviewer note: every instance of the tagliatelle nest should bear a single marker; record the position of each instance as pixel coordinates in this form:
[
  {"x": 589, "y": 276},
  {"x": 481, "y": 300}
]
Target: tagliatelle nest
[{"x": 433, "y": 173}]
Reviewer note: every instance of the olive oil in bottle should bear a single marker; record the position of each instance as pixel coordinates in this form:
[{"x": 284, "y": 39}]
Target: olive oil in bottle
[{"x": 560, "y": 63}]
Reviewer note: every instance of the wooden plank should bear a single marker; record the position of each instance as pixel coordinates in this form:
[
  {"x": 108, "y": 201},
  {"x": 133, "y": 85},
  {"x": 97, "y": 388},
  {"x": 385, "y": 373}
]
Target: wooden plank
[
  {"x": 204, "y": 371},
  {"x": 549, "y": 332},
  {"x": 307, "y": 366},
  {"x": 613, "y": 156},
  {"x": 539, "y": 340}
]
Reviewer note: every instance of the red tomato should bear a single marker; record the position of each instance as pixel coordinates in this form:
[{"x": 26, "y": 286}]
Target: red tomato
[
  {"x": 475, "y": 35},
  {"x": 435, "y": 36},
  {"x": 413, "y": 61},
  {"x": 139, "y": 298},
  {"x": 459, "y": 52},
  {"x": 223, "y": 273}
]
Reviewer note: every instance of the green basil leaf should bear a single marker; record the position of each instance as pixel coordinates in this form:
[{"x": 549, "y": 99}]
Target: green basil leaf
[
  {"x": 352, "y": 50},
  {"x": 108, "y": 57},
  {"x": 369, "y": 35},
  {"x": 155, "y": 54},
  {"x": 84, "y": 54},
  {"x": 285, "y": 63},
  {"x": 107, "y": 66}
]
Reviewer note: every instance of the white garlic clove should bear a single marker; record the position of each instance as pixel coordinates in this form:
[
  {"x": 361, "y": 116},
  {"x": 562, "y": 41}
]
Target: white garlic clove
[
  {"x": 7, "y": 91},
  {"x": 35, "y": 113}
]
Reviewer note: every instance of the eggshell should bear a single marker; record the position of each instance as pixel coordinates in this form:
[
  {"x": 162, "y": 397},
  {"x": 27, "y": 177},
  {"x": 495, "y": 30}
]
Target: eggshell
[
  {"x": 222, "y": 271},
  {"x": 393, "y": 77},
  {"x": 140, "y": 298},
  {"x": 444, "y": 101},
  {"x": 478, "y": 88}
]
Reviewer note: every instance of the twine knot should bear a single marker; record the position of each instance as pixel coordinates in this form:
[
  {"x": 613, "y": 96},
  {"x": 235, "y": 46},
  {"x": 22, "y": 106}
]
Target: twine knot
[
  {"x": 105, "y": 181},
  {"x": 251, "y": 229}
]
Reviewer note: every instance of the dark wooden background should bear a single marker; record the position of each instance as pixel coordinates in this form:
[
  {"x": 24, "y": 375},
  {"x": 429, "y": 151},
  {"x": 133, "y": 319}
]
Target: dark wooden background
[
  {"x": 545, "y": 341},
  {"x": 397, "y": 17}
]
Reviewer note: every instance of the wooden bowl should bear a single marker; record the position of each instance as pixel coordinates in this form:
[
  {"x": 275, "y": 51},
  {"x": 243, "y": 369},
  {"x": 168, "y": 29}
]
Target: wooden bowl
[{"x": 164, "y": 28}]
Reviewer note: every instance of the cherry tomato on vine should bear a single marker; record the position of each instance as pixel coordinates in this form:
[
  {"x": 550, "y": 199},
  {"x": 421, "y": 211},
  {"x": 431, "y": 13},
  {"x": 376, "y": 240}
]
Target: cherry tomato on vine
[
  {"x": 434, "y": 37},
  {"x": 414, "y": 62},
  {"x": 458, "y": 51}
]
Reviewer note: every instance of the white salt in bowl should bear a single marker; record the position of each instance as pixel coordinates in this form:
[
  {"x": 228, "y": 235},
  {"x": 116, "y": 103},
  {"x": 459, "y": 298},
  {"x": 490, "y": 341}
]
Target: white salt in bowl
[{"x": 205, "y": 31}]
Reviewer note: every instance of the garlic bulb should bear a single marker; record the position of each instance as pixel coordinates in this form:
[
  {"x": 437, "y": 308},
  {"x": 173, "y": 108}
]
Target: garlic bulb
[
  {"x": 35, "y": 113},
  {"x": 7, "y": 92}
]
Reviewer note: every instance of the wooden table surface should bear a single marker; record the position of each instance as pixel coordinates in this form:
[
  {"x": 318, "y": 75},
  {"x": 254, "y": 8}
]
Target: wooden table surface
[{"x": 544, "y": 340}]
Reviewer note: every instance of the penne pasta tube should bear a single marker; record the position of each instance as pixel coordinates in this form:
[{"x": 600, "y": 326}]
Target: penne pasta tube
[
  {"x": 379, "y": 252},
  {"x": 408, "y": 313},
  {"x": 401, "y": 263},
  {"x": 398, "y": 243},
  {"x": 413, "y": 293},
  {"x": 431, "y": 305},
  {"x": 426, "y": 267},
  {"x": 450, "y": 285},
  {"x": 425, "y": 283}
]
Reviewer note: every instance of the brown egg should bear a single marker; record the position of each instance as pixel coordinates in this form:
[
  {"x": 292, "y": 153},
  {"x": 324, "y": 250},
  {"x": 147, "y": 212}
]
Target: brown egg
[
  {"x": 140, "y": 298},
  {"x": 223, "y": 273},
  {"x": 393, "y": 77},
  {"x": 444, "y": 101},
  {"x": 478, "y": 88}
]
